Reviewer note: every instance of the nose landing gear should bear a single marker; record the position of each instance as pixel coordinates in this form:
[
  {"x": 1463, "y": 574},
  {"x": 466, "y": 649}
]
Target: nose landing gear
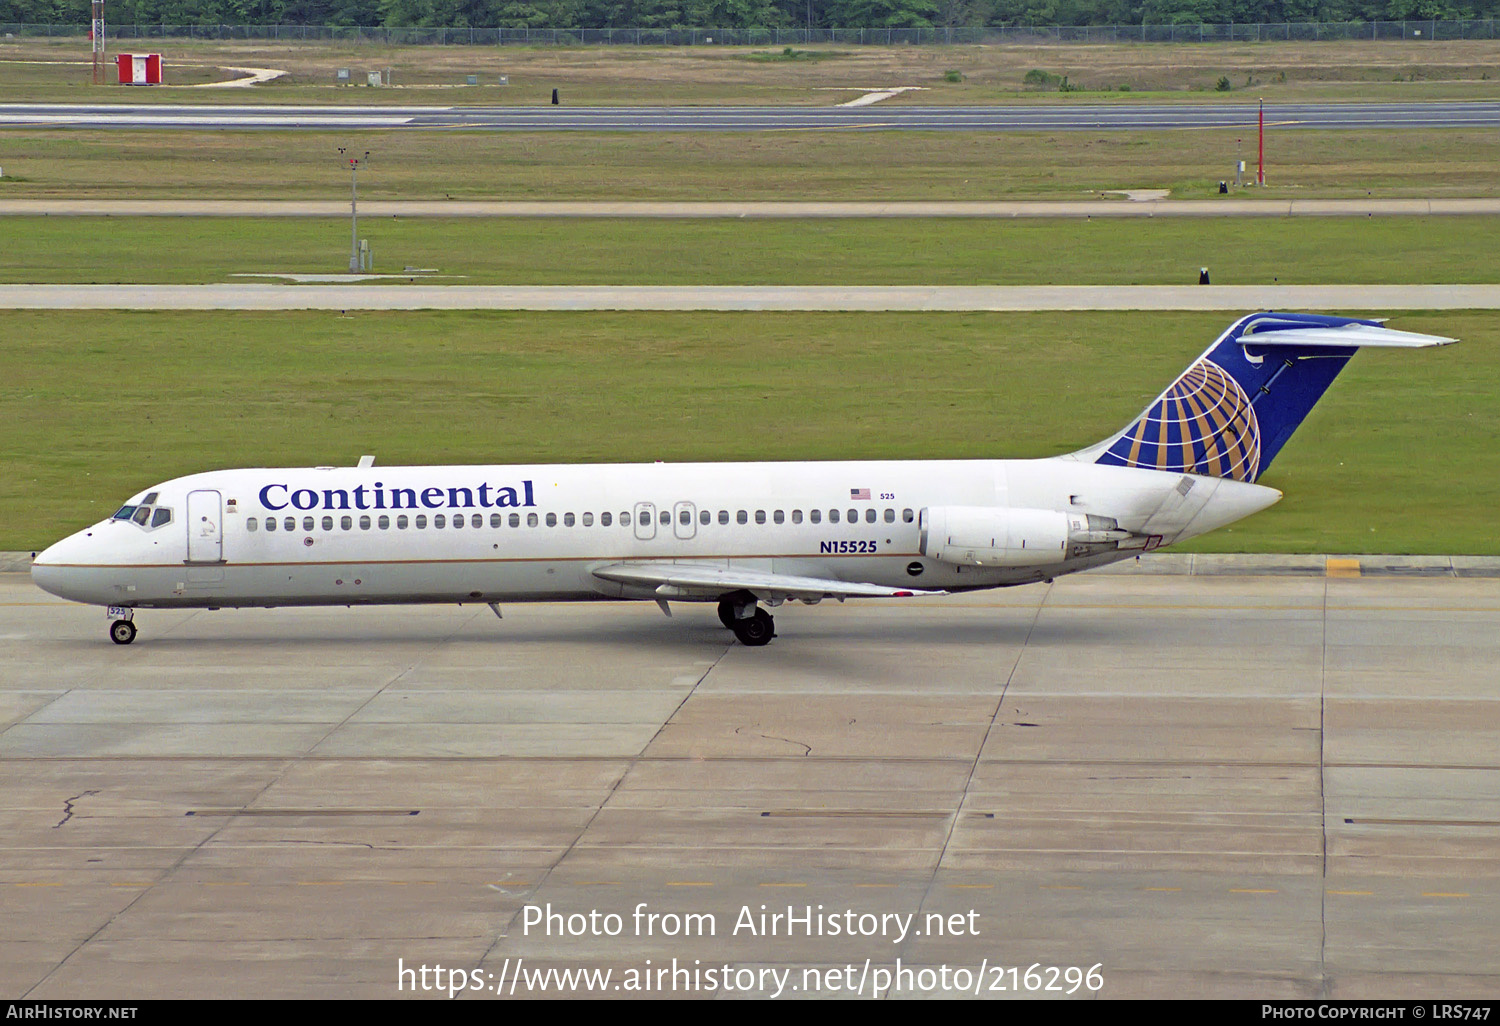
[{"x": 122, "y": 632}]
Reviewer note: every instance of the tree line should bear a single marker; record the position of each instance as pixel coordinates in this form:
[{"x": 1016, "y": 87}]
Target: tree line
[{"x": 736, "y": 13}]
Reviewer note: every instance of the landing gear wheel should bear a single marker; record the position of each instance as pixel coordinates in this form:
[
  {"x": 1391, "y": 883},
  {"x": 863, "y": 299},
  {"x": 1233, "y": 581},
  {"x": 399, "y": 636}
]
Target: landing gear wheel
[
  {"x": 726, "y": 614},
  {"x": 754, "y": 631},
  {"x": 122, "y": 632}
]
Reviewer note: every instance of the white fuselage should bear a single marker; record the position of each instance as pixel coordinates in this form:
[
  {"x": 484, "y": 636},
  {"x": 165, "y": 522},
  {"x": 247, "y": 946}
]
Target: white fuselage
[{"x": 346, "y": 535}]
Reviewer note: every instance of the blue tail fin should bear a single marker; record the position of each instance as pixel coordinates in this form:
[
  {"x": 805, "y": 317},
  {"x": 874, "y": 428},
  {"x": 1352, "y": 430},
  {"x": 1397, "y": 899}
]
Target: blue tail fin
[{"x": 1231, "y": 412}]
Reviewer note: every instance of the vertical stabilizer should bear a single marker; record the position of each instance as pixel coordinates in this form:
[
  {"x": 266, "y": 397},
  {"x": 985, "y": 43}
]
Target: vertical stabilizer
[{"x": 1231, "y": 412}]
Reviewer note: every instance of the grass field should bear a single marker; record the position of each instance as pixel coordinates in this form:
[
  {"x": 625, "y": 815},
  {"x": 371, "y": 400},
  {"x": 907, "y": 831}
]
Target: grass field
[
  {"x": 770, "y": 252},
  {"x": 1281, "y": 72},
  {"x": 1403, "y": 455},
  {"x": 741, "y": 166}
]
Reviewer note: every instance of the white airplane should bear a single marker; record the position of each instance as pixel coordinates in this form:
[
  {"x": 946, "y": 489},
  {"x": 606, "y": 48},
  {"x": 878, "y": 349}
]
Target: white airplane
[{"x": 742, "y": 535}]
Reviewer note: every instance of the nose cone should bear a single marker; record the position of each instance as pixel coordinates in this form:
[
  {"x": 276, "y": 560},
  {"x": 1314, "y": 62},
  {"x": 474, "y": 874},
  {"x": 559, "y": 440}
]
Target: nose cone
[{"x": 57, "y": 570}]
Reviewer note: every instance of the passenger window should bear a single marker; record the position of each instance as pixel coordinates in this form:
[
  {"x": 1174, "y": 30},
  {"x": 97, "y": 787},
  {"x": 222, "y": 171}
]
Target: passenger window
[
  {"x": 250, "y": 524},
  {"x": 515, "y": 520},
  {"x": 588, "y": 520},
  {"x": 890, "y": 516},
  {"x": 779, "y": 517},
  {"x": 870, "y": 515},
  {"x": 290, "y": 523},
  {"x": 551, "y": 519},
  {"x": 567, "y": 520},
  {"x": 742, "y": 517},
  {"x": 705, "y": 517},
  {"x": 833, "y": 516},
  {"x": 270, "y": 523},
  {"x": 531, "y": 520},
  {"x": 684, "y": 518},
  {"x": 364, "y": 523},
  {"x": 723, "y": 516},
  {"x": 665, "y": 517},
  {"x": 384, "y": 522},
  {"x": 907, "y": 516},
  {"x": 854, "y": 516},
  {"x": 796, "y": 516},
  {"x": 164, "y": 516},
  {"x": 604, "y": 519},
  {"x": 458, "y": 521},
  {"x": 438, "y": 520},
  {"x": 760, "y": 516},
  {"x": 477, "y": 520},
  {"x": 328, "y": 523},
  {"x": 420, "y": 521},
  {"x": 308, "y": 522},
  {"x": 346, "y": 523},
  {"x": 815, "y": 515},
  {"x": 496, "y": 520},
  {"x": 625, "y": 519},
  {"x": 401, "y": 522}
]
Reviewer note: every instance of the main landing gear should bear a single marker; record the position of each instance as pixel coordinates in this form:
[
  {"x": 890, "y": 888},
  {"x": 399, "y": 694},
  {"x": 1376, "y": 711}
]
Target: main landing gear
[
  {"x": 122, "y": 632},
  {"x": 751, "y": 625}
]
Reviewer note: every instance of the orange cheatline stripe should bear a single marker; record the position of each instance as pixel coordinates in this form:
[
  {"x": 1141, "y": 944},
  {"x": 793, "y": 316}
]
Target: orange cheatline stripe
[{"x": 507, "y": 559}]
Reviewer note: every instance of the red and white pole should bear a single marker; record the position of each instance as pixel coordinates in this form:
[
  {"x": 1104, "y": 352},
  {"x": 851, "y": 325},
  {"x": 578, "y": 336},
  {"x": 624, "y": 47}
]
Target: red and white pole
[{"x": 1260, "y": 162}]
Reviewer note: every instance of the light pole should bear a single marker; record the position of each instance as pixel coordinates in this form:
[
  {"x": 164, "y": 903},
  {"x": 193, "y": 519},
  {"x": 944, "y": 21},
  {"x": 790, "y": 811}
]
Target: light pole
[
  {"x": 96, "y": 37},
  {"x": 355, "y": 163}
]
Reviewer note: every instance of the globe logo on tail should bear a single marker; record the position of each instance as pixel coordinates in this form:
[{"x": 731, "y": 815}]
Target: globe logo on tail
[{"x": 1204, "y": 424}]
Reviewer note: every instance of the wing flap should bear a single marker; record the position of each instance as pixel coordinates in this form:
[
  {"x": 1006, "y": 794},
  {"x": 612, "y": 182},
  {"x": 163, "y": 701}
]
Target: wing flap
[{"x": 708, "y": 581}]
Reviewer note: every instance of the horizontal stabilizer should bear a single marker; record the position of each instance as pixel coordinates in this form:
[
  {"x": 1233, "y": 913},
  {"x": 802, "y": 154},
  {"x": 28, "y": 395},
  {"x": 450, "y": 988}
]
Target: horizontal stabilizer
[
  {"x": 709, "y": 580},
  {"x": 1348, "y": 335}
]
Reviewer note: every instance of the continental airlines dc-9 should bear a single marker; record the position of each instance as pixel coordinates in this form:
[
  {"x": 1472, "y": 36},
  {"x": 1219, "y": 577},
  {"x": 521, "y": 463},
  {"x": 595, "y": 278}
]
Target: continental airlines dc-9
[{"x": 743, "y": 535}]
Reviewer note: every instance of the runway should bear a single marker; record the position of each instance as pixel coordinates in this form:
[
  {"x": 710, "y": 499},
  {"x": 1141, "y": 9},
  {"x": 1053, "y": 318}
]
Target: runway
[
  {"x": 1000, "y": 209},
  {"x": 1107, "y": 116},
  {"x": 1219, "y": 786},
  {"x": 419, "y": 295}
]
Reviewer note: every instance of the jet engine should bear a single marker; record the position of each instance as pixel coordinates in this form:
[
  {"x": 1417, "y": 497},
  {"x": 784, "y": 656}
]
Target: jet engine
[{"x": 994, "y": 536}]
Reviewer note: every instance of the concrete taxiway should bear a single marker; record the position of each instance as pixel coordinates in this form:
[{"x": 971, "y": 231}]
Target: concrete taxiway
[
  {"x": 420, "y": 295},
  {"x": 1108, "y": 116},
  {"x": 1238, "y": 206},
  {"x": 1216, "y": 784}
]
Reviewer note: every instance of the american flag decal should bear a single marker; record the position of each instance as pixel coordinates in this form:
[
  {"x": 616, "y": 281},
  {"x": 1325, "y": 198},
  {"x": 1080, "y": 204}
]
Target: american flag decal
[{"x": 859, "y": 493}]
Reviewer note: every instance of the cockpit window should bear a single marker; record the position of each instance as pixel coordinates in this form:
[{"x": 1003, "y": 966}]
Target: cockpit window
[
  {"x": 150, "y": 499},
  {"x": 145, "y": 514}
]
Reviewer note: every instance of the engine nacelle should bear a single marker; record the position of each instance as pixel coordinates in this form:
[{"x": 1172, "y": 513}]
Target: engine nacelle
[{"x": 992, "y": 536}]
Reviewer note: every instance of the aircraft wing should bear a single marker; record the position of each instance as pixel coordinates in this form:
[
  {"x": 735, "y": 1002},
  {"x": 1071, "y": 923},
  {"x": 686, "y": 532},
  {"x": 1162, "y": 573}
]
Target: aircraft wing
[{"x": 707, "y": 581}]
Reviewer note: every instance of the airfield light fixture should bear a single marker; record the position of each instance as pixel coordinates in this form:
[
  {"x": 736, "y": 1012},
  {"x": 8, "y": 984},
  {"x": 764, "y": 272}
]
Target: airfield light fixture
[{"x": 355, "y": 163}]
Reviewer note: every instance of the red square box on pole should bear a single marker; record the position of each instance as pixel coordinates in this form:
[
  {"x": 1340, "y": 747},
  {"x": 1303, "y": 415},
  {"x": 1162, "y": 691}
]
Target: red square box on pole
[{"x": 139, "y": 68}]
